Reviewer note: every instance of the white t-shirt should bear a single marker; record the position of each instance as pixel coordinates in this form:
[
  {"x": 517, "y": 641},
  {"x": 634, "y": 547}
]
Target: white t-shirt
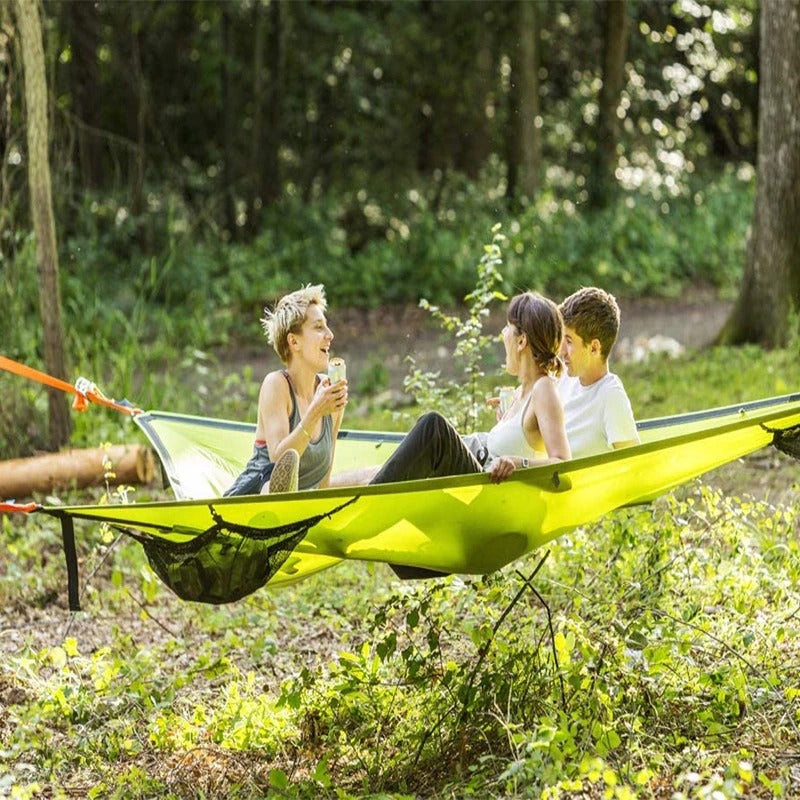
[{"x": 596, "y": 416}]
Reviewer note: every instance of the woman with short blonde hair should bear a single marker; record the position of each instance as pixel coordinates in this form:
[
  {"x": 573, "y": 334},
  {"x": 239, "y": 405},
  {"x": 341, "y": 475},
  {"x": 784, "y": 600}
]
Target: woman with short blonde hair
[
  {"x": 299, "y": 413},
  {"x": 288, "y": 316}
]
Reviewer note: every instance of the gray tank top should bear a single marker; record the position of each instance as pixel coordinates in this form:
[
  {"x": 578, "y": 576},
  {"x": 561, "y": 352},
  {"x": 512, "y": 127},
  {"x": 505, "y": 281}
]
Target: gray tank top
[{"x": 316, "y": 458}]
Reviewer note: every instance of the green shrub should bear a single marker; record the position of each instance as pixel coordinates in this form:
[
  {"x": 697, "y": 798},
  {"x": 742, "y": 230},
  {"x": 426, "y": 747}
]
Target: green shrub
[{"x": 371, "y": 251}]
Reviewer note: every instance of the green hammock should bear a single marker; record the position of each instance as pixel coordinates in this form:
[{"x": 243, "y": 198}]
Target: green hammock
[{"x": 214, "y": 549}]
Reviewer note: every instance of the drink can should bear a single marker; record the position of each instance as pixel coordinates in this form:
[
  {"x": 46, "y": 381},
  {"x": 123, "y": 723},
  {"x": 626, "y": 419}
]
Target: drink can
[
  {"x": 337, "y": 370},
  {"x": 506, "y": 398}
]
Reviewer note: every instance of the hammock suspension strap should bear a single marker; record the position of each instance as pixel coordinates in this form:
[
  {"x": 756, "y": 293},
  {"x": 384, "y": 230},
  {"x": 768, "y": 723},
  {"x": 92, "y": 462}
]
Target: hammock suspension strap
[
  {"x": 9, "y": 506},
  {"x": 85, "y": 391}
]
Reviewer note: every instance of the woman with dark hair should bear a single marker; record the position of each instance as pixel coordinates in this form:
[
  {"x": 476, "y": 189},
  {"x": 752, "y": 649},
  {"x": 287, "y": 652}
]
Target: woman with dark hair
[{"x": 530, "y": 432}]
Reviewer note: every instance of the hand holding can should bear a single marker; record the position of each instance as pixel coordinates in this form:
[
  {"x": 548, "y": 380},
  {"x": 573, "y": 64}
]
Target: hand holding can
[
  {"x": 506, "y": 395},
  {"x": 337, "y": 370}
]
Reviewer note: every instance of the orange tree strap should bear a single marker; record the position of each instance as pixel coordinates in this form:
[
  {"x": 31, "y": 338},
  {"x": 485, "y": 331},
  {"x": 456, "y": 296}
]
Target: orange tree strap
[
  {"x": 84, "y": 390},
  {"x": 10, "y": 506}
]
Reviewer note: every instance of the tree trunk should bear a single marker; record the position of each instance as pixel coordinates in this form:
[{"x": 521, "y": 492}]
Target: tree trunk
[
  {"x": 427, "y": 160},
  {"x": 115, "y": 465},
  {"x": 30, "y": 29},
  {"x": 270, "y": 173},
  {"x": 7, "y": 82},
  {"x": 475, "y": 144},
  {"x": 229, "y": 210},
  {"x": 771, "y": 287},
  {"x": 82, "y": 25},
  {"x": 140, "y": 107},
  {"x": 266, "y": 139},
  {"x": 256, "y": 200},
  {"x": 615, "y": 46},
  {"x": 527, "y": 114}
]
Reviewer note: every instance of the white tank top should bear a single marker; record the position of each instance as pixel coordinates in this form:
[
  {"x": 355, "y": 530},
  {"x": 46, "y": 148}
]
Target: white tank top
[{"x": 507, "y": 438}]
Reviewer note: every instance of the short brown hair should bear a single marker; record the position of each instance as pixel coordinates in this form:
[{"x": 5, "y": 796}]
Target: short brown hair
[
  {"x": 540, "y": 320},
  {"x": 289, "y": 315},
  {"x": 593, "y": 314}
]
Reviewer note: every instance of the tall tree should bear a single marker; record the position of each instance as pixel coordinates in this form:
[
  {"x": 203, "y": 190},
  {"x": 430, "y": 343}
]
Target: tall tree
[
  {"x": 771, "y": 287},
  {"x": 265, "y": 177},
  {"x": 41, "y": 202},
  {"x": 138, "y": 110},
  {"x": 82, "y": 23},
  {"x": 525, "y": 158},
  {"x": 228, "y": 119},
  {"x": 614, "y": 15}
]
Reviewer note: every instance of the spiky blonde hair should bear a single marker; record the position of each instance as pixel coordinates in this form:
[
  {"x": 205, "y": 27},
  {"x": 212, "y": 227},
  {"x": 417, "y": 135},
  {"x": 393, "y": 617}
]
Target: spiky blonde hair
[{"x": 288, "y": 316}]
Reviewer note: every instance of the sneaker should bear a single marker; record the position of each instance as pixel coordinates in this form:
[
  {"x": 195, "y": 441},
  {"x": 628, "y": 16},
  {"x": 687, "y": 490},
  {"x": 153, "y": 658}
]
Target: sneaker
[{"x": 285, "y": 474}]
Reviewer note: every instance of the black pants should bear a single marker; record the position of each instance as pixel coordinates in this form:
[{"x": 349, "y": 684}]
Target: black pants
[{"x": 431, "y": 449}]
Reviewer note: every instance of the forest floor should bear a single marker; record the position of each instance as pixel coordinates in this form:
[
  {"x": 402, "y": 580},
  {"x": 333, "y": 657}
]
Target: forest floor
[
  {"x": 36, "y": 618},
  {"x": 389, "y": 335}
]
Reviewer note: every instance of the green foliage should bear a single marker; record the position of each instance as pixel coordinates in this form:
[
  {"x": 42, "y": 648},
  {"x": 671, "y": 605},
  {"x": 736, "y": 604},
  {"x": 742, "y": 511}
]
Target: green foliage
[
  {"x": 671, "y": 668},
  {"x": 459, "y": 400},
  {"x": 716, "y": 376},
  {"x": 639, "y": 245},
  {"x": 23, "y": 420},
  {"x": 198, "y": 293},
  {"x": 133, "y": 322},
  {"x": 654, "y": 651}
]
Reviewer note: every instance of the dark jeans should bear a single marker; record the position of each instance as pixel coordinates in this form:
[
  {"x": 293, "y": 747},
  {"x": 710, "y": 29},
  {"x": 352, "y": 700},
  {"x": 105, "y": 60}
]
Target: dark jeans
[
  {"x": 254, "y": 475},
  {"x": 431, "y": 449}
]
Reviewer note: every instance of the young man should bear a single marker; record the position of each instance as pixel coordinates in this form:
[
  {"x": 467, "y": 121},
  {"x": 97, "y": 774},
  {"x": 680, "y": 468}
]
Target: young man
[{"x": 597, "y": 412}]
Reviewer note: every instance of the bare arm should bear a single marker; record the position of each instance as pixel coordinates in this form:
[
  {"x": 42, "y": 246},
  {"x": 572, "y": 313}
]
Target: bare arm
[
  {"x": 549, "y": 415},
  {"x": 546, "y": 413},
  {"x": 275, "y": 406},
  {"x": 355, "y": 477}
]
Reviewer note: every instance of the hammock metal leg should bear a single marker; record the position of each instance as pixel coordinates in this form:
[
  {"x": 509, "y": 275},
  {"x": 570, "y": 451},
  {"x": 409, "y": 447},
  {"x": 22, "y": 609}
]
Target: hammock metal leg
[{"x": 68, "y": 538}]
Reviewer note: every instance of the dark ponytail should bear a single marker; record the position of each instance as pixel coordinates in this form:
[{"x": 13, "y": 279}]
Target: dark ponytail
[{"x": 541, "y": 322}]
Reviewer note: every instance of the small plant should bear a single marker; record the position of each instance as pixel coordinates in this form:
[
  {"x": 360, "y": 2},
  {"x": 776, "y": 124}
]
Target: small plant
[{"x": 459, "y": 401}]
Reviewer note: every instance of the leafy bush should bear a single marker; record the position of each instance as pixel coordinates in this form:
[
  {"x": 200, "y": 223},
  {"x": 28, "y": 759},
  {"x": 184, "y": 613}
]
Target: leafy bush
[
  {"x": 371, "y": 251},
  {"x": 653, "y": 652}
]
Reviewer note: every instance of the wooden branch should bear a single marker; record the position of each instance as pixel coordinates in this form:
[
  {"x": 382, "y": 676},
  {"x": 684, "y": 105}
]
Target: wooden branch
[{"x": 117, "y": 464}]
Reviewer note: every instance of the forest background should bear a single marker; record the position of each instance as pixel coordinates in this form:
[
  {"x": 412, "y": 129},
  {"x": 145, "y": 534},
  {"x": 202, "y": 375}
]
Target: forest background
[{"x": 207, "y": 157}]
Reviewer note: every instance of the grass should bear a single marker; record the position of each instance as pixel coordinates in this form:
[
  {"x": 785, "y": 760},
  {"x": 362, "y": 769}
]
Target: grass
[{"x": 672, "y": 672}]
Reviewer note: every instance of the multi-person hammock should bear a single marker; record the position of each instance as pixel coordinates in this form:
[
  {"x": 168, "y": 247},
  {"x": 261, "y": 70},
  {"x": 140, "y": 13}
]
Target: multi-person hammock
[{"x": 213, "y": 549}]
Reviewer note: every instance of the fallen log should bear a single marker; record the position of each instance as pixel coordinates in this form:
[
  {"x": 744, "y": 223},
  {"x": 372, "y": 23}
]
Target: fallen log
[{"x": 115, "y": 465}]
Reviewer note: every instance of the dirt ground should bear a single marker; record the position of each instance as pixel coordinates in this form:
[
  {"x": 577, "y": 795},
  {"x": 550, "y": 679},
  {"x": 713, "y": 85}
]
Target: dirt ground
[{"x": 386, "y": 336}]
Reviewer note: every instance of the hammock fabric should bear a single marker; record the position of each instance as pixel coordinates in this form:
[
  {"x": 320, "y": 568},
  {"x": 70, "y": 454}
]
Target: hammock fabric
[
  {"x": 217, "y": 550},
  {"x": 214, "y": 549}
]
